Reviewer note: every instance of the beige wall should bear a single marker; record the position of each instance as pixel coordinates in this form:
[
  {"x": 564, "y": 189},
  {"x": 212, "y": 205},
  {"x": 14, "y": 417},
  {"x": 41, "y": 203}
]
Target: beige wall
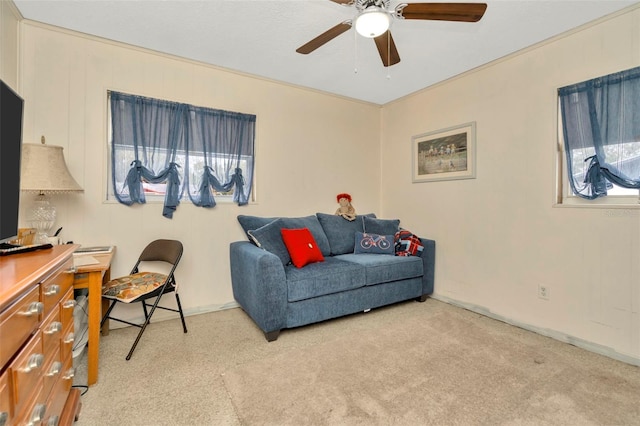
[
  {"x": 499, "y": 236},
  {"x": 9, "y": 22},
  {"x": 310, "y": 147}
]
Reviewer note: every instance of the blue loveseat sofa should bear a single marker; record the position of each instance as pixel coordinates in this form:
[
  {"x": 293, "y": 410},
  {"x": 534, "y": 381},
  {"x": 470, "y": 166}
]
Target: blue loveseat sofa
[{"x": 278, "y": 295}]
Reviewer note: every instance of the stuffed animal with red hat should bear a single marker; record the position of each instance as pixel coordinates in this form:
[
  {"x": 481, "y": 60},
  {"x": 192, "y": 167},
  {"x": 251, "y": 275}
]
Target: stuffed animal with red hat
[{"x": 345, "y": 210}]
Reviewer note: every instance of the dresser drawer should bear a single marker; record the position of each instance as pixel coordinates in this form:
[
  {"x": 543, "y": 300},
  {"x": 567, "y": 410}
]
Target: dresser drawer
[
  {"x": 59, "y": 394},
  {"x": 52, "y": 329},
  {"x": 6, "y": 413},
  {"x": 18, "y": 322},
  {"x": 26, "y": 372},
  {"x": 67, "y": 306},
  {"x": 56, "y": 285},
  {"x": 52, "y": 371},
  {"x": 67, "y": 343},
  {"x": 34, "y": 409}
]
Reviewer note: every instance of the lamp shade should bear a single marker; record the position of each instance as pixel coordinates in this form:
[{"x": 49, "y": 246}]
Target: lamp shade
[{"x": 44, "y": 170}]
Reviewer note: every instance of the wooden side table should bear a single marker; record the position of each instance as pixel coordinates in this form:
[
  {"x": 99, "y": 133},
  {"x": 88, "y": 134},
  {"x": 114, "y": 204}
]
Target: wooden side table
[{"x": 92, "y": 277}]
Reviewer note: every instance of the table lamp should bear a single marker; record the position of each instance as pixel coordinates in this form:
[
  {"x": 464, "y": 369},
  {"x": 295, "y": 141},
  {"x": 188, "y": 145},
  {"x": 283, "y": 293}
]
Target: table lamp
[{"x": 44, "y": 171}]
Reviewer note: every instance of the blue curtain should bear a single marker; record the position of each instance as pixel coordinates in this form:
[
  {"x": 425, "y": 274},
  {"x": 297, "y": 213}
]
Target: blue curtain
[
  {"x": 158, "y": 141},
  {"x": 601, "y": 129},
  {"x": 225, "y": 140}
]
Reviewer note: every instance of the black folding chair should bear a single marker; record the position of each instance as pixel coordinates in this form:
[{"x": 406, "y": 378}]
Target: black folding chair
[{"x": 141, "y": 286}]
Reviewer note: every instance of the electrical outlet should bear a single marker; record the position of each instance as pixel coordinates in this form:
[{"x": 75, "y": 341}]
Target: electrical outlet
[{"x": 543, "y": 291}]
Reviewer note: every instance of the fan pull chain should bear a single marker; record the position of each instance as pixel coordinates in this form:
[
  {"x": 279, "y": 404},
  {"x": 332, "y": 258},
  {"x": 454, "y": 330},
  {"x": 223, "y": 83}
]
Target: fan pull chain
[
  {"x": 388, "y": 55},
  {"x": 355, "y": 53}
]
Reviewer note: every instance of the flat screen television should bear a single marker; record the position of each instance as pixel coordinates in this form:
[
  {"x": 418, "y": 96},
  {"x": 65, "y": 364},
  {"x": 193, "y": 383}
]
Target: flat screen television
[{"x": 11, "y": 109}]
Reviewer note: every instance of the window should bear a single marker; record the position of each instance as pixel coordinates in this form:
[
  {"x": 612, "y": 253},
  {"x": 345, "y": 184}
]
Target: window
[
  {"x": 599, "y": 141},
  {"x": 616, "y": 195},
  {"x": 172, "y": 151}
]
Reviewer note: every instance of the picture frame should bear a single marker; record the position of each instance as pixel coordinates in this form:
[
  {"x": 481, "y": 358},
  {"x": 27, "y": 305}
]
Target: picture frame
[{"x": 445, "y": 154}]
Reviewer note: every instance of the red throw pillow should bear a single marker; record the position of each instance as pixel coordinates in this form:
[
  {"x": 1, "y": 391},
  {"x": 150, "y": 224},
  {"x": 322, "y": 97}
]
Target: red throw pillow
[{"x": 302, "y": 246}]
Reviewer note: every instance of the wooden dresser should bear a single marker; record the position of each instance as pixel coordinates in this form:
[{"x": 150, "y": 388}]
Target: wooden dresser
[{"x": 36, "y": 338}]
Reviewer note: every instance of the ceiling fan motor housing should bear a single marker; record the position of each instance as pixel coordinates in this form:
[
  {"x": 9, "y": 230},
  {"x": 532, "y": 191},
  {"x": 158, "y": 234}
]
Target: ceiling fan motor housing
[{"x": 363, "y": 4}]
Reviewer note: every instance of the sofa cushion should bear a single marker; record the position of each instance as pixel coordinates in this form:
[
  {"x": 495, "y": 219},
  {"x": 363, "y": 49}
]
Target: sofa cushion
[
  {"x": 302, "y": 246},
  {"x": 249, "y": 223},
  {"x": 317, "y": 279},
  {"x": 269, "y": 238},
  {"x": 373, "y": 225},
  {"x": 381, "y": 269},
  {"x": 374, "y": 244},
  {"x": 341, "y": 232}
]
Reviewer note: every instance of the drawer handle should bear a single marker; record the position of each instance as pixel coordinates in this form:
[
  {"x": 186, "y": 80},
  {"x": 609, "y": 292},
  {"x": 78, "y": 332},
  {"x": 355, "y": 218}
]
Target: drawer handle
[
  {"x": 34, "y": 308},
  {"x": 54, "y": 328},
  {"x": 52, "y": 290},
  {"x": 69, "y": 374},
  {"x": 34, "y": 361},
  {"x": 53, "y": 421},
  {"x": 67, "y": 304},
  {"x": 69, "y": 339},
  {"x": 37, "y": 414},
  {"x": 55, "y": 369},
  {"x": 4, "y": 416}
]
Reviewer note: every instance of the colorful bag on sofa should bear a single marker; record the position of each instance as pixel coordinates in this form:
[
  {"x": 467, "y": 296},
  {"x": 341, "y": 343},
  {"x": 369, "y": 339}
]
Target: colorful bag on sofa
[{"x": 407, "y": 244}]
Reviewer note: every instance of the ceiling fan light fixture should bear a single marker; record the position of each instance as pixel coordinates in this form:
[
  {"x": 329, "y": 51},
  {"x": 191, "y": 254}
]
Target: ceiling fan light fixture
[{"x": 372, "y": 22}]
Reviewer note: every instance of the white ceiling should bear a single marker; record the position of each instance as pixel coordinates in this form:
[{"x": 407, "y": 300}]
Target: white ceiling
[{"x": 259, "y": 37}]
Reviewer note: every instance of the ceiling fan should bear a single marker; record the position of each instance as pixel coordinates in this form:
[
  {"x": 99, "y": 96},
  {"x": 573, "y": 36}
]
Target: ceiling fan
[{"x": 374, "y": 18}]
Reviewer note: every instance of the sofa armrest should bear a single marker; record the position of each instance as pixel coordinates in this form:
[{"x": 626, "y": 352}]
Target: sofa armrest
[
  {"x": 259, "y": 285},
  {"x": 428, "y": 264}
]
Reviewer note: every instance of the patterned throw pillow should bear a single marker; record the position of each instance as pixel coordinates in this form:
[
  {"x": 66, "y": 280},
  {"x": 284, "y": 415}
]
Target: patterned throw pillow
[
  {"x": 407, "y": 244},
  {"x": 302, "y": 246},
  {"x": 374, "y": 243}
]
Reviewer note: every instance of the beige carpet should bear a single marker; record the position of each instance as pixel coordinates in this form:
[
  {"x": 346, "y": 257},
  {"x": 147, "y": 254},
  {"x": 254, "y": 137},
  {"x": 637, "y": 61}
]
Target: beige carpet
[
  {"x": 456, "y": 368},
  {"x": 408, "y": 364}
]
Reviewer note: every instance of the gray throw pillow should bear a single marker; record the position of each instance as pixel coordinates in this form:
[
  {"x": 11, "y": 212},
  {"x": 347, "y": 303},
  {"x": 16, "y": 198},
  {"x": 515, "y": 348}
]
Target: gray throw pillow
[
  {"x": 381, "y": 226},
  {"x": 269, "y": 238},
  {"x": 341, "y": 232},
  {"x": 250, "y": 223}
]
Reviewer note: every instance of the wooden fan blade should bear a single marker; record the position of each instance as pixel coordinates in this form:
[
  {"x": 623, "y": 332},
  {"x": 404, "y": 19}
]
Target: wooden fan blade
[
  {"x": 464, "y": 12},
  {"x": 387, "y": 49},
  {"x": 344, "y": 2},
  {"x": 323, "y": 38}
]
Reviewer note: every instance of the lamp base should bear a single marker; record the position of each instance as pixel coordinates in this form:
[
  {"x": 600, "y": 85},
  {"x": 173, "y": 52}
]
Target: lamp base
[{"x": 42, "y": 217}]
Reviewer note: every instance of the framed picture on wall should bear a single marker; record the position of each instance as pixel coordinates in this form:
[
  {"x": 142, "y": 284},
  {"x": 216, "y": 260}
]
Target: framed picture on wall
[{"x": 445, "y": 154}]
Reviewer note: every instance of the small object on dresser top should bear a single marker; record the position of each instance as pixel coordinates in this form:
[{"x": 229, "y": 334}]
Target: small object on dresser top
[{"x": 94, "y": 249}]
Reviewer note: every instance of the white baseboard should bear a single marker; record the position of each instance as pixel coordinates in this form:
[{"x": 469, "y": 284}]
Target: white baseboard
[
  {"x": 160, "y": 315},
  {"x": 554, "y": 334}
]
